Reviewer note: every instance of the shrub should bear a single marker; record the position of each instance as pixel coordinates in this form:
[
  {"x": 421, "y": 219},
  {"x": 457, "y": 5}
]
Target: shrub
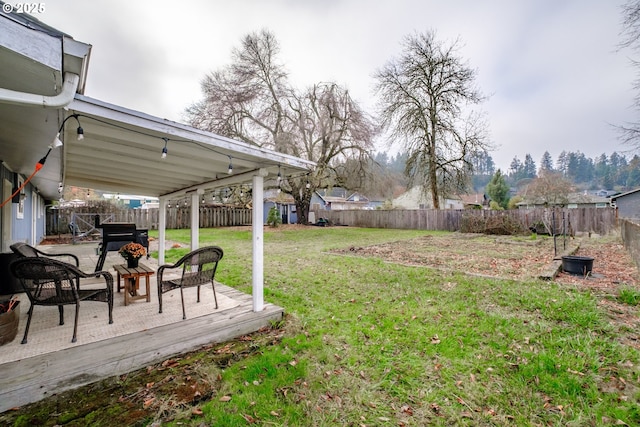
[{"x": 273, "y": 217}]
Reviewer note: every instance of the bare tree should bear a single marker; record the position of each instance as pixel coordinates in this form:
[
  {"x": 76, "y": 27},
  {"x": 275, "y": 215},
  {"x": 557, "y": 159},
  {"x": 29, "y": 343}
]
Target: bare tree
[
  {"x": 252, "y": 100},
  {"x": 423, "y": 97},
  {"x": 630, "y": 132},
  {"x": 550, "y": 188},
  {"x": 332, "y": 130},
  {"x": 247, "y": 100}
]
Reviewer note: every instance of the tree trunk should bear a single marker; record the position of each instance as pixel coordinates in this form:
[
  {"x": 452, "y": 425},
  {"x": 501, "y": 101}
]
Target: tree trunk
[
  {"x": 302, "y": 197},
  {"x": 433, "y": 172}
]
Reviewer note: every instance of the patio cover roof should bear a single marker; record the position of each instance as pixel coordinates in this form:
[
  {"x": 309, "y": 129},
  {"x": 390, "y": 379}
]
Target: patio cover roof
[{"x": 121, "y": 152}]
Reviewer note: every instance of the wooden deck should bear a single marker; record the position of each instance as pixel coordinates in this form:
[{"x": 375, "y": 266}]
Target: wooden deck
[{"x": 61, "y": 365}]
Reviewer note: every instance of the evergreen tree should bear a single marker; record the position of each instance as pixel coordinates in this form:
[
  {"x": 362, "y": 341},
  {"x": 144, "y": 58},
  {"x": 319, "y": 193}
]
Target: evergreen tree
[
  {"x": 498, "y": 190},
  {"x": 633, "y": 174},
  {"x": 483, "y": 170},
  {"x": 546, "y": 162},
  {"x": 562, "y": 163},
  {"x": 529, "y": 167},
  {"x": 602, "y": 171},
  {"x": 516, "y": 169}
]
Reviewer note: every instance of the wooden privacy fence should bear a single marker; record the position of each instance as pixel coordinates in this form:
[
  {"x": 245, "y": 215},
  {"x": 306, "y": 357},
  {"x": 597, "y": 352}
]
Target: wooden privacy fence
[
  {"x": 630, "y": 232},
  {"x": 581, "y": 220},
  {"x": 59, "y": 220}
]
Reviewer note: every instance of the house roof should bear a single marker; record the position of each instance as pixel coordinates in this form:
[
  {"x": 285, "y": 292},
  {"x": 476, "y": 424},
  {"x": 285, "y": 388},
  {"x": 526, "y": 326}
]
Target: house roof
[
  {"x": 617, "y": 196},
  {"x": 473, "y": 199},
  {"x": 121, "y": 149},
  {"x": 572, "y": 198}
]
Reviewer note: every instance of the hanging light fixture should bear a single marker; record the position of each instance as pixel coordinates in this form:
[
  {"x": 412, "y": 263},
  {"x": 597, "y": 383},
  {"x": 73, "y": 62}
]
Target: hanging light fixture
[
  {"x": 279, "y": 175},
  {"x": 164, "y": 149},
  {"x": 230, "y": 171},
  {"x": 80, "y": 131},
  {"x": 57, "y": 142}
]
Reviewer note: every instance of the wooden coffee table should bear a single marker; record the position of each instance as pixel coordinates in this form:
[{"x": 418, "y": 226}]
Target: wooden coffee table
[{"x": 131, "y": 278}]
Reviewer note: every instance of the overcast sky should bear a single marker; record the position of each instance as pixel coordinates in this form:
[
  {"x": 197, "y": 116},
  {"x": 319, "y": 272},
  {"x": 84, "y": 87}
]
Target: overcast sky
[{"x": 552, "y": 68}]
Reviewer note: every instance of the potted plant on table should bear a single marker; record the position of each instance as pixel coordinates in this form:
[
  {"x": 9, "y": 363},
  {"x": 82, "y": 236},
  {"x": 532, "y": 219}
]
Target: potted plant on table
[
  {"x": 9, "y": 317},
  {"x": 132, "y": 252}
]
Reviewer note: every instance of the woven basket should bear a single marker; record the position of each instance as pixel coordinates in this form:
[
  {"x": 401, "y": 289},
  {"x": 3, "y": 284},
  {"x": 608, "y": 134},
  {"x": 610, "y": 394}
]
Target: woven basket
[{"x": 9, "y": 324}]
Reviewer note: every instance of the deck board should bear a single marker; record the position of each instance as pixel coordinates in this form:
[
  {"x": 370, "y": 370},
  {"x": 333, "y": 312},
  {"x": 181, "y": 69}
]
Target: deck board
[{"x": 34, "y": 378}]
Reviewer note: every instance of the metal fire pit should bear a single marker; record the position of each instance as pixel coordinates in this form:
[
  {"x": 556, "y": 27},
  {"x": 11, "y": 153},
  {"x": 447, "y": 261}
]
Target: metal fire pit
[{"x": 581, "y": 265}]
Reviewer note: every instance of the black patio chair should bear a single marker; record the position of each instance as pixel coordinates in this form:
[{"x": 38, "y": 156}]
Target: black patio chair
[
  {"x": 198, "y": 268},
  {"x": 25, "y": 250},
  {"x": 47, "y": 281}
]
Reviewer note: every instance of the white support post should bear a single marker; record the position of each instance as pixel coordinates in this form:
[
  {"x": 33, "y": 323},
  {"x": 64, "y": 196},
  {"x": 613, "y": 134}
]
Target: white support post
[
  {"x": 162, "y": 226},
  {"x": 257, "y": 222},
  {"x": 195, "y": 220}
]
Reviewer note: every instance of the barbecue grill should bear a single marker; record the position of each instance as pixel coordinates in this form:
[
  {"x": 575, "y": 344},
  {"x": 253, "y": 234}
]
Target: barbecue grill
[{"x": 115, "y": 235}]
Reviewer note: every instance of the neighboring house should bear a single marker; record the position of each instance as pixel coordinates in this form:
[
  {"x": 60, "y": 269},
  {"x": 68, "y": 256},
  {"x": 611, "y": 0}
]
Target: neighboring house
[
  {"x": 417, "y": 198},
  {"x": 606, "y": 193},
  {"x": 338, "y": 199},
  {"x": 574, "y": 201},
  {"x": 133, "y": 201},
  {"x": 628, "y": 204},
  {"x": 375, "y": 204},
  {"x": 475, "y": 201},
  {"x": 285, "y": 204}
]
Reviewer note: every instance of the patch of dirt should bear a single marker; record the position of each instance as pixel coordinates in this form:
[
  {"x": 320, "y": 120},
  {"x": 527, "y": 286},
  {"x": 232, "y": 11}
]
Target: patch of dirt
[
  {"x": 476, "y": 254},
  {"x": 523, "y": 259}
]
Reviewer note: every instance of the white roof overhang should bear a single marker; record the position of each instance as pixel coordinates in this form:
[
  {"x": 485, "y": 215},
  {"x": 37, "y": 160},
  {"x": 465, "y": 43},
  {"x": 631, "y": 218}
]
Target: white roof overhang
[{"x": 121, "y": 152}]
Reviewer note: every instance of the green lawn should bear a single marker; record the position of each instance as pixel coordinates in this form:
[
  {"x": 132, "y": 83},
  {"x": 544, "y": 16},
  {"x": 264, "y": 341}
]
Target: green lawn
[{"x": 371, "y": 343}]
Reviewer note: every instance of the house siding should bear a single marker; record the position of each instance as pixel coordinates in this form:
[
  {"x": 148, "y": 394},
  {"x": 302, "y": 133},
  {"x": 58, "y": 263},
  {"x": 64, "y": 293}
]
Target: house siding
[{"x": 629, "y": 205}]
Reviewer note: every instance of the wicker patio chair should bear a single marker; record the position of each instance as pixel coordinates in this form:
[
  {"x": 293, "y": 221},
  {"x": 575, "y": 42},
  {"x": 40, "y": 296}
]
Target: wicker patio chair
[
  {"x": 51, "y": 282},
  {"x": 25, "y": 250},
  {"x": 198, "y": 268}
]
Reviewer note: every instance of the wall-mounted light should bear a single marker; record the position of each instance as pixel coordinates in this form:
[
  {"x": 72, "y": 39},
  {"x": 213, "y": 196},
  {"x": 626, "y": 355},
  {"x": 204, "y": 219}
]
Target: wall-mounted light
[{"x": 60, "y": 187}]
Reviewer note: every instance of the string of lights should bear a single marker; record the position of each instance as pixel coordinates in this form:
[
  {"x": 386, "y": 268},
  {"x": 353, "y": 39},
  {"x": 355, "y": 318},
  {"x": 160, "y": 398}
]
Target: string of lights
[
  {"x": 57, "y": 142},
  {"x": 164, "y": 151}
]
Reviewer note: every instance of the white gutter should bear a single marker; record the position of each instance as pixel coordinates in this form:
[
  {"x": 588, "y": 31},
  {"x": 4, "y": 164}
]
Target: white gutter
[{"x": 62, "y": 99}]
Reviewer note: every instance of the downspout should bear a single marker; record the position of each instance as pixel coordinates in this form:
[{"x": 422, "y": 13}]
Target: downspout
[{"x": 62, "y": 99}]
